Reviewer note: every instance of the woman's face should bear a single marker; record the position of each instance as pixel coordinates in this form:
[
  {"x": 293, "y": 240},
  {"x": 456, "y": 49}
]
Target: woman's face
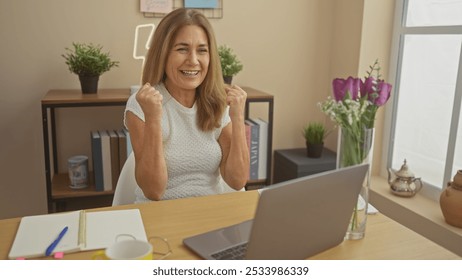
[{"x": 188, "y": 60}]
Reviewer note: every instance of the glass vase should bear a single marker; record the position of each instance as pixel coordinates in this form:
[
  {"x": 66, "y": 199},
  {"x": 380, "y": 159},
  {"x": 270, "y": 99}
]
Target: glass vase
[{"x": 356, "y": 147}]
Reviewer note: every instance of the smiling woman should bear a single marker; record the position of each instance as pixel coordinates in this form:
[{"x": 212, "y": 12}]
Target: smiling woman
[
  {"x": 187, "y": 64},
  {"x": 187, "y": 129}
]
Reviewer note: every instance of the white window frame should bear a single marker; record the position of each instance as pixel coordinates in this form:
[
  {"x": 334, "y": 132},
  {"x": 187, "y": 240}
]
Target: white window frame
[{"x": 399, "y": 30}]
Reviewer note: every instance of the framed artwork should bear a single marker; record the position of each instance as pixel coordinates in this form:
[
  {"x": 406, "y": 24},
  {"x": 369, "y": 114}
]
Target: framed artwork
[
  {"x": 159, "y": 8},
  {"x": 201, "y": 4},
  {"x": 156, "y": 6}
]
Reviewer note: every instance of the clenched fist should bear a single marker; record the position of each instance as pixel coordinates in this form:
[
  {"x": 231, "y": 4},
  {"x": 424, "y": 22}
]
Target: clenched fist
[
  {"x": 235, "y": 98},
  {"x": 150, "y": 101}
]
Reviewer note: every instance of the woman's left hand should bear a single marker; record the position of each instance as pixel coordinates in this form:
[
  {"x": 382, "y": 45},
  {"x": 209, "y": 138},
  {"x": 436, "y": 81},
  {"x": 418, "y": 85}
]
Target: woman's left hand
[{"x": 235, "y": 98}]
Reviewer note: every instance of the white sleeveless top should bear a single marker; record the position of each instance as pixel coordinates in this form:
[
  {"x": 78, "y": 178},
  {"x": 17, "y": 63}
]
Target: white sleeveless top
[{"x": 192, "y": 156}]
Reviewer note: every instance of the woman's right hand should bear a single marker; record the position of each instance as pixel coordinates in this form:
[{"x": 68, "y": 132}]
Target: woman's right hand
[{"x": 150, "y": 101}]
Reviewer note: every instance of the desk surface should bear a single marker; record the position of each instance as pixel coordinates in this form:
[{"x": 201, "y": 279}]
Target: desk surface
[{"x": 176, "y": 219}]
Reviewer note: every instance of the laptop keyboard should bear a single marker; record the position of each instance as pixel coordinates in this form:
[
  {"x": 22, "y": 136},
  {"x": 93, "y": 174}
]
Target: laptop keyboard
[{"x": 234, "y": 253}]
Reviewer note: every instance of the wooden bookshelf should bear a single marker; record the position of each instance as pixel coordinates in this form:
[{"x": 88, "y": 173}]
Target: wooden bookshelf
[{"x": 59, "y": 194}]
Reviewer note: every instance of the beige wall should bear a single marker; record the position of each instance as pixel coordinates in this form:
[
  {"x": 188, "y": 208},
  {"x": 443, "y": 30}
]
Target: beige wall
[
  {"x": 362, "y": 34},
  {"x": 289, "y": 50},
  {"x": 376, "y": 37}
]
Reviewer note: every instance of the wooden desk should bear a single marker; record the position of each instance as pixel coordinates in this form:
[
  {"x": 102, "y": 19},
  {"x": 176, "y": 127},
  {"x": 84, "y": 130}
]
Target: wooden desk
[{"x": 176, "y": 219}]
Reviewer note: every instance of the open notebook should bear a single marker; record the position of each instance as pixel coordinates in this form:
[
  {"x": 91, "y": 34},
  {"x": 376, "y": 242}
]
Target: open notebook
[{"x": 86, "y": 231}]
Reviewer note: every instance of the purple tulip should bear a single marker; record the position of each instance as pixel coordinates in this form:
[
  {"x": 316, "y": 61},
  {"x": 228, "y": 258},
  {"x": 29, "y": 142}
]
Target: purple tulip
[
  {"x": 384, "y": 91},
  {"x": 341, "y": 87},
  {"x": 367, "y": 87},
  {"x": 377, "y": 94}
]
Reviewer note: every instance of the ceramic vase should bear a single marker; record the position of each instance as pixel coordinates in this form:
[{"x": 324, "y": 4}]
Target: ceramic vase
[
  {"x": 89, "y": 84},
  {"x": 228, "y": 79},
  {"x": 451, "y": 201},
  {"x": 314, "y": 150}
]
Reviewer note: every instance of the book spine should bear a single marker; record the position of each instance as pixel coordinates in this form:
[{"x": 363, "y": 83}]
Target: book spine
[
  {"x": 122, "y": 148},
  {"x": 129, "y": 143},
  {"x": 115, "y": 169},
  {"x": 97, "y": 160},
  {"x": 262, "y": 148},
  {"x": 254, "y": 143},
  {"x": 106, "y": 156},
  {"x": 247, "y": 135}
]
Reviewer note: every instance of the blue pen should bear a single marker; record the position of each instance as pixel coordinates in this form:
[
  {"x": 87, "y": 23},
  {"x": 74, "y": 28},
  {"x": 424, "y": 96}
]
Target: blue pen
[{"x": 55, "y": 242}]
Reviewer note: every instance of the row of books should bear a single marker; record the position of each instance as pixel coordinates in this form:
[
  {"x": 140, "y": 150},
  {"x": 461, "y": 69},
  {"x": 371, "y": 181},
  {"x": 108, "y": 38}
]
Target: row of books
[
  {"x": 109, "y": 149},
  {"x": 257, "y": 141}
]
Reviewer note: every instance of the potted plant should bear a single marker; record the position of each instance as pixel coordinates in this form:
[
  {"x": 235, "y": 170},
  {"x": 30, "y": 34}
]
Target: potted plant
[
  {"x": 230, "y": 64},
  {"x": 315, "y": 133},
  {"x": 88, "y": 61}
]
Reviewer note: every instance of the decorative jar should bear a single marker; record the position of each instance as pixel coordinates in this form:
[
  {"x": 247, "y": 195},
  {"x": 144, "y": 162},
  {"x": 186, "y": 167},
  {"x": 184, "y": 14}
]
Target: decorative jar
[{"x": 451, "y": 201}]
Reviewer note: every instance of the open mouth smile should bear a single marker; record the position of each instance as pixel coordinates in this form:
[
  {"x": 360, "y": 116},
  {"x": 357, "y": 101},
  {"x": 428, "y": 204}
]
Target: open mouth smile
[{"x": 189, "y": 73}]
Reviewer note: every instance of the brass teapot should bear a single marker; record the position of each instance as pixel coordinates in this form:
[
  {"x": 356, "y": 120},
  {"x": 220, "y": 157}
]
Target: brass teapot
[{"x": 403, "y": 182}]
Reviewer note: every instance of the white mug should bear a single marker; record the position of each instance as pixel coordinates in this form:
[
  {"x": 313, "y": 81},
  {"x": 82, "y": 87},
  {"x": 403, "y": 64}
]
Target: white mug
[{"x": 130, "y": 249}]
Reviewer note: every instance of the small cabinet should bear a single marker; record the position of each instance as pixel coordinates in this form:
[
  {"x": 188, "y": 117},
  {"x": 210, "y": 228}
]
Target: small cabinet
[{"x": 293, "y": 163}]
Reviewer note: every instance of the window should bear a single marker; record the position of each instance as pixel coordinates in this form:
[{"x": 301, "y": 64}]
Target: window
[{"x": 426, "y": 119}]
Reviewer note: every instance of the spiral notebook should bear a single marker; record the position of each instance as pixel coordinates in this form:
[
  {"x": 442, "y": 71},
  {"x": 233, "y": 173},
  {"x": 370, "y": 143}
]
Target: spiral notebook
[{"x": 86, "y": 231}]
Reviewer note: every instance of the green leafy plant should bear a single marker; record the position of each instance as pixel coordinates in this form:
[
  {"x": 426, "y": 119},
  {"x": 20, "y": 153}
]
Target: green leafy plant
[
  {"x": 315, "y": 133},
  {"x": 230, "y": 64},
  {"x": 88, "y": 60}
]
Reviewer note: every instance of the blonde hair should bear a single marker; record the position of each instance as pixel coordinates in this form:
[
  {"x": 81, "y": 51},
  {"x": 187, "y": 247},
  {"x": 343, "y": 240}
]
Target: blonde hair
[{"x": 210, "y": 95}]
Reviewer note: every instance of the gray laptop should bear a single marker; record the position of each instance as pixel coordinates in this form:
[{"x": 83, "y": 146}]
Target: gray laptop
[{"x": 295, "y": 219}]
